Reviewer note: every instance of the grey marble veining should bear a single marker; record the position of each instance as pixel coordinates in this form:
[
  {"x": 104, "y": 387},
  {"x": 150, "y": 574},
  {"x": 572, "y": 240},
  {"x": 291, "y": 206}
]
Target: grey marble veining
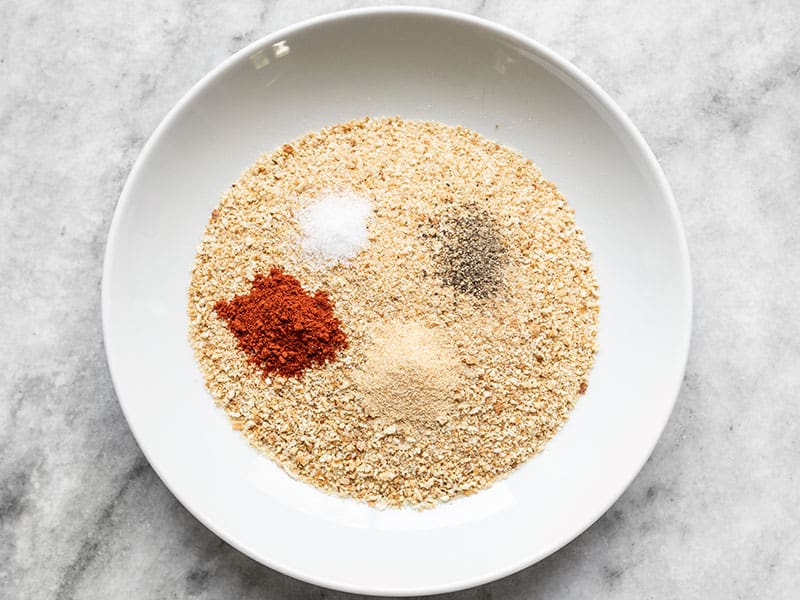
[{"x": 713, "y": 86}]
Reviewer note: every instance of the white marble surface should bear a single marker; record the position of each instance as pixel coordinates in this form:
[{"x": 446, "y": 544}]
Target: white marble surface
[{"x": 713, "y": 86}]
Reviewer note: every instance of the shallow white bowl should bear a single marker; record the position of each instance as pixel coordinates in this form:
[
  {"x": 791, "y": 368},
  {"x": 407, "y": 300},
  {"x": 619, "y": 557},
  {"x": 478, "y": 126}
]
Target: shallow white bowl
[{"x": 420, "y": 64}]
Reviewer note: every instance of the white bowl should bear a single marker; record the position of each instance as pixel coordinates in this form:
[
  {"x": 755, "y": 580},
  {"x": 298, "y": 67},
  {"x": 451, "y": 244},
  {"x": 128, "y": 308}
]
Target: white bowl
[{"x": 420, "y": 64}]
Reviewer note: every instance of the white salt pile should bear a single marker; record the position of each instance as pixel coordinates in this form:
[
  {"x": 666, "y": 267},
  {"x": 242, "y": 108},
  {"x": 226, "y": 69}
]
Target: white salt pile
[{"x": 335, "y": 226}]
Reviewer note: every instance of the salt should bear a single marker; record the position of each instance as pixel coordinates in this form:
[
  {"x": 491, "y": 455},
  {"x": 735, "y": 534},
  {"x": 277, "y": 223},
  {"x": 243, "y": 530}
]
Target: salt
[{"x": 334, "y": 226}]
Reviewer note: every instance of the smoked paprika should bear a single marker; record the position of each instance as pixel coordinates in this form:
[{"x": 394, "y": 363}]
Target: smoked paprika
[{"x": 283, "y": 329}]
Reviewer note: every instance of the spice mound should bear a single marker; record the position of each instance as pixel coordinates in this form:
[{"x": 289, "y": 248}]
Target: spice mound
[
  {"x": 472, "y": 256},
  {"x": 335, "y": 227},
  {"x": 410, "y": 376},
  {"x": 430, "y": 326},
  {"x": 282, "y": 328}
]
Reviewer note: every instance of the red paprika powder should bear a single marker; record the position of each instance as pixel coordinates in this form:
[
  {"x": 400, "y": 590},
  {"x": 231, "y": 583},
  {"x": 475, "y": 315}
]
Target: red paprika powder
[{"x": 283, "y": 329}]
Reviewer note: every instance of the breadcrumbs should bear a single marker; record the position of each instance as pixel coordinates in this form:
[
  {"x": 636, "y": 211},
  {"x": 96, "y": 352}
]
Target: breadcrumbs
[{"x": 523, "y": 336}]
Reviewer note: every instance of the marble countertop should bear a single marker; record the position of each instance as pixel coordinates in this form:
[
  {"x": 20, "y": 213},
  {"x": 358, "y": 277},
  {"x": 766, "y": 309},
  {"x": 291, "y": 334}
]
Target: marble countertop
[{"x": 714, "y": 88}]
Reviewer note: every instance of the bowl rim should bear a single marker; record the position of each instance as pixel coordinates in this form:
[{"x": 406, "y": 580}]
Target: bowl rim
[{"x": 560, "y": 65}]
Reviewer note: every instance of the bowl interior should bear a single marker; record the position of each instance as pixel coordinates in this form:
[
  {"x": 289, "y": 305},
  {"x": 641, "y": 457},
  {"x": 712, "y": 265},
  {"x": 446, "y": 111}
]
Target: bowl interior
[{"x": 420, "y": 65}]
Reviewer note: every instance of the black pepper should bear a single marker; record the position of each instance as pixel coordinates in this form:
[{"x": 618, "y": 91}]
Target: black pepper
[{"x": 472, "y": 254}]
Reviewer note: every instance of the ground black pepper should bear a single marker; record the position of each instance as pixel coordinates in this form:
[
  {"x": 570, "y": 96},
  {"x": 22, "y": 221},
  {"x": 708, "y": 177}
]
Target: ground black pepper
[{"x": 472, "y": 254}]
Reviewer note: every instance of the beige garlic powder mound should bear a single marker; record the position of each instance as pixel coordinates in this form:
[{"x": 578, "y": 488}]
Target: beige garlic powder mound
[{"x": 434, "y": 295}]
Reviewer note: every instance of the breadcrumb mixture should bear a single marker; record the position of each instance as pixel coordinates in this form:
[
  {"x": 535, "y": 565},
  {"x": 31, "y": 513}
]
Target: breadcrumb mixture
[{"x": 523, "y": 349}]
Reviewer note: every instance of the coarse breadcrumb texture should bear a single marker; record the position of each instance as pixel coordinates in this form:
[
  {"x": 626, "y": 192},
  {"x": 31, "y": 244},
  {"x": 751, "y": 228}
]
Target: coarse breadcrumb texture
[{"x": 525, "y": 351}]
